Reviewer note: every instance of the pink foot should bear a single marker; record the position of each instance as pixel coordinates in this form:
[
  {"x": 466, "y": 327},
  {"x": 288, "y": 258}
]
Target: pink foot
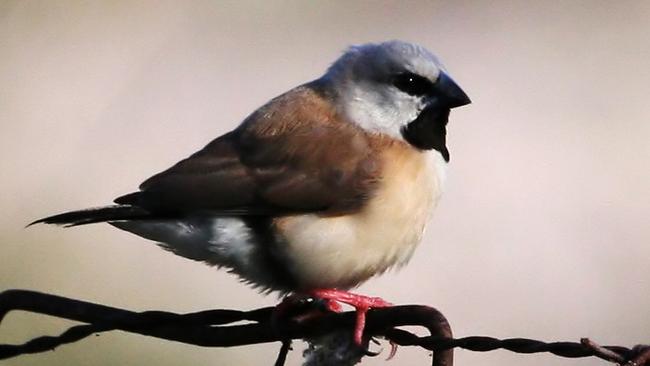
[{"x": 361, "y": 303}]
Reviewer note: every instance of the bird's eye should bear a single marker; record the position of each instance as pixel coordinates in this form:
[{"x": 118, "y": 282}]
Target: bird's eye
[{"x": 412, "y": 84}]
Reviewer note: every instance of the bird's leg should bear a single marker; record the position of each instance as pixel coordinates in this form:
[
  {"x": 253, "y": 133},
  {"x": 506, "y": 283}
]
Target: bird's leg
[
  {"x": 301, "y": 306},
  {"x": 361, "y": 304},
  {"x": 293, "y": 306}
]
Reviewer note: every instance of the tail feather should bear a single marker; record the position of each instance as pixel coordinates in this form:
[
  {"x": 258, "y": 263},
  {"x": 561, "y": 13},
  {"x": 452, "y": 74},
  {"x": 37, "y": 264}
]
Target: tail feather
[{"x": 95, "y": 215}]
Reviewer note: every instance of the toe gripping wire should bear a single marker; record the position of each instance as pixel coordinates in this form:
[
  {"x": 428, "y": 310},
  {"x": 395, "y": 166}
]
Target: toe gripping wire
[{"x": 216, "y": 328}]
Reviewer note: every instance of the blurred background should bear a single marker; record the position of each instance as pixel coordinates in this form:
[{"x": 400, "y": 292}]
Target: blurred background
[{"x": 544, "y": 230}]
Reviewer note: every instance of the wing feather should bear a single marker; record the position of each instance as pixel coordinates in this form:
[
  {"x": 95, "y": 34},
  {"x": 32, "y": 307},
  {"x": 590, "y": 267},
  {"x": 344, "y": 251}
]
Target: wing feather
[{"x": 293, "y": 155}]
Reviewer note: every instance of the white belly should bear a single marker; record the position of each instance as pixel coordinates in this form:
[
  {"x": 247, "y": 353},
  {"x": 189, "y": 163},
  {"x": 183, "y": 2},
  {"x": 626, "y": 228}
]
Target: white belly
[{"x": 343, "y": 251}]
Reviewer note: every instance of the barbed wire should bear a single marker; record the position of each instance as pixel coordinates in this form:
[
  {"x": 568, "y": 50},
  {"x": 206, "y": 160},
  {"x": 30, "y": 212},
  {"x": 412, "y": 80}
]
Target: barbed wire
[{"x": 213, "y": 328}]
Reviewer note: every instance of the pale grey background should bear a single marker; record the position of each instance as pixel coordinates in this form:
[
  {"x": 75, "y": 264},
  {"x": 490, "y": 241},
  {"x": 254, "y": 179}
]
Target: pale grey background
[{"x": 543, "y": 232}]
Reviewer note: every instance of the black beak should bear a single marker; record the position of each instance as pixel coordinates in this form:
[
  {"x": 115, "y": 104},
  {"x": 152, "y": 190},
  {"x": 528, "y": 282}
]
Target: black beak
[{"x": 450, "y": 92}]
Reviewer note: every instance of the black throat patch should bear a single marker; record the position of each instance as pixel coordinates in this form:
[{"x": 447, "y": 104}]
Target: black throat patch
[{"x": 429, "y": 130}]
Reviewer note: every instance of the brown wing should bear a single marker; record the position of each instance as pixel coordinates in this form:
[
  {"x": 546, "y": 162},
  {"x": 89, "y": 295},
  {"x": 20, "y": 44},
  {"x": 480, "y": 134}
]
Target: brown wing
[{"x": 292, "y": 155}]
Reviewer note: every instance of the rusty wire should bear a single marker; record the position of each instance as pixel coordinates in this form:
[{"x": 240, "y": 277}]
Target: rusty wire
[{"x": 210, "y": 329}]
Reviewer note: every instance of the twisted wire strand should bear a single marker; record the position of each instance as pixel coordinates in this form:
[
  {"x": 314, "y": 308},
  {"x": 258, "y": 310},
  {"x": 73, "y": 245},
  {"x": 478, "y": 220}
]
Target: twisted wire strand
[{"x": 210, "y": 329}]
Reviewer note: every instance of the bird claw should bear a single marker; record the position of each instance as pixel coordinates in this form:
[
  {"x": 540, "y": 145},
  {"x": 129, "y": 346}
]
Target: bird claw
[
  {"x": 393, "y": 350},
  {"x": 391, "y": 354},
  {"x": 330, "y": 300},
  {"x": 361, "y": 304}
]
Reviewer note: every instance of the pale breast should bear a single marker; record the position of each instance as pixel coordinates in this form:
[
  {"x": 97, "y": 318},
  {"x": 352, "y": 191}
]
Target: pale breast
[{"x": 343, "y": 251}]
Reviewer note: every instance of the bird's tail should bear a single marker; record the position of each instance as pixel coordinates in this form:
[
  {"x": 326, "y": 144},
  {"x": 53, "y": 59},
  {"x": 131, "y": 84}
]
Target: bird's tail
[{"x": 94, "y": 215}]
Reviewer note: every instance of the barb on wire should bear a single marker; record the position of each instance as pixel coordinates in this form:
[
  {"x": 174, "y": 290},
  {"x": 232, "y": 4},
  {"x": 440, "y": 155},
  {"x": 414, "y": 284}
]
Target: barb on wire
[{"x": 212, "y": 328}]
